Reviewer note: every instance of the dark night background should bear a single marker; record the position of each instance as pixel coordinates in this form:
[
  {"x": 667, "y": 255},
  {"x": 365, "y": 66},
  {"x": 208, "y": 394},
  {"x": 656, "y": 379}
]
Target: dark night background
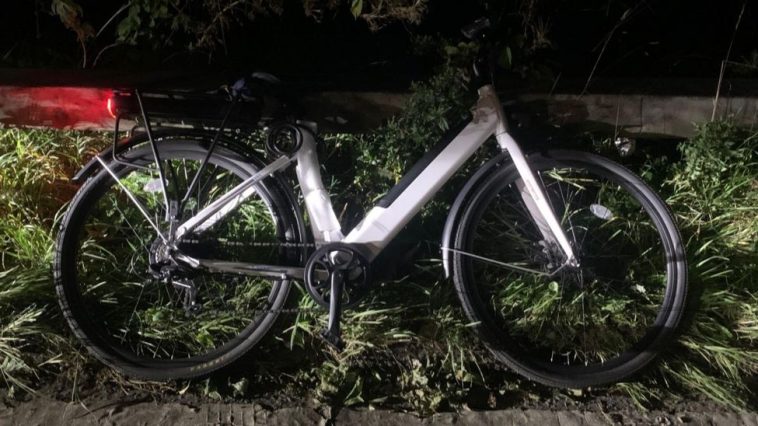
[
  {"x": 659, "y": 39},
  {"x": 411, "y": 350}
]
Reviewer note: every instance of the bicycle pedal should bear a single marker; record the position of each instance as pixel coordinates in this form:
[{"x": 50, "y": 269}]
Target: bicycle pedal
[{"x": 334, "y": 340}]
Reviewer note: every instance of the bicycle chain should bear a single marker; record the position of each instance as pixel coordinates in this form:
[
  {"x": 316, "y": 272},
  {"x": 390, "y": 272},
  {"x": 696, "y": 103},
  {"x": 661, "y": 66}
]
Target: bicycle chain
[
  {"x": 257, "y": 244},
  {"x": 289, "y": 310},
  {"x": 286, "y": 245}
]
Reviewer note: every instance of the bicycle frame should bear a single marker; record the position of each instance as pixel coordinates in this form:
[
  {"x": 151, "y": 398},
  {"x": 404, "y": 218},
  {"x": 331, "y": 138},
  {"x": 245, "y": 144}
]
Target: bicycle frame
[{"x": 384, "y": 221}]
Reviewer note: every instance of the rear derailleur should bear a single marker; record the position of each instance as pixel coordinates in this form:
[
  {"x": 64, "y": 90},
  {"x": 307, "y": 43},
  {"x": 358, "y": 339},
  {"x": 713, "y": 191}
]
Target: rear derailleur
[
  {"x": 336, "y": 277},
  {"x": 166, "y": 270}
]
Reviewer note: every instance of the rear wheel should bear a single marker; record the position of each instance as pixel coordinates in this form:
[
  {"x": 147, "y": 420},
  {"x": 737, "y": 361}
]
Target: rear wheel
[
  {"x": 110, "y": 264},
  {"x": 571, "y": 326}
]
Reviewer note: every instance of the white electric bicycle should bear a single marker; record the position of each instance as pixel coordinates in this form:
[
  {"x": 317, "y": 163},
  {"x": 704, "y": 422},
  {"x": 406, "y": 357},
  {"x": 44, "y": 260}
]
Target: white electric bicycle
[{"x": 180, "y": 249}]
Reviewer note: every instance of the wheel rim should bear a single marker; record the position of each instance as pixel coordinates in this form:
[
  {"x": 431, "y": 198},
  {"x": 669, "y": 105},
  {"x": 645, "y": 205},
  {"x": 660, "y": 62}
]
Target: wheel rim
[{"x": 579, "y": 321}]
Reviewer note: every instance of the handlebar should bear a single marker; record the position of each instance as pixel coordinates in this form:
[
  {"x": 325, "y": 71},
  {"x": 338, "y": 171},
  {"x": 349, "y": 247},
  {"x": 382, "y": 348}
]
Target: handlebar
[
  {"x": 477, "y": 29},
  {"x": 484, "y": 64}
]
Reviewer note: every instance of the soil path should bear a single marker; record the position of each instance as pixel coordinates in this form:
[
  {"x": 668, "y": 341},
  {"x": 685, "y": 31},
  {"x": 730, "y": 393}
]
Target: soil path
[{"x": 41, "y": 411}]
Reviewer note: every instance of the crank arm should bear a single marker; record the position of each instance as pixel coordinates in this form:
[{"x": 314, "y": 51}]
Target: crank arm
[{"x": 333, "y": 334}]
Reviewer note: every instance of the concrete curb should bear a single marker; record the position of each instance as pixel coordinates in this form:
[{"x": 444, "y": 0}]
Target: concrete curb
[{"x": 48, "y": 412}]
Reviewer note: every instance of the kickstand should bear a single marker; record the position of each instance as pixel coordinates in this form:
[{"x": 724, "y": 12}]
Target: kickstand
[{"x": 332, "y": 334}]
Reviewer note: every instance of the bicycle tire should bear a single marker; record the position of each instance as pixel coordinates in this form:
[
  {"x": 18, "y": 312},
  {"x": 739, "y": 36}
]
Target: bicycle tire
[
  {"x": 96, "y": 334},
  {"x": 513, "y": 333}
]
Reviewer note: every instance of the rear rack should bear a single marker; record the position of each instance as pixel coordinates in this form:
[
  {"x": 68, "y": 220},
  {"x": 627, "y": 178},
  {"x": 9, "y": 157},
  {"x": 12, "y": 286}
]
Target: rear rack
[
  {"x": 211, "y": 111},
  {"x": 190, "y": 109}
]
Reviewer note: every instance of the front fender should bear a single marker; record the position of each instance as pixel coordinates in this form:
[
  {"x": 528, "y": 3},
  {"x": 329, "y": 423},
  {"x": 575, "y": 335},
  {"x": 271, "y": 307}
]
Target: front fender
[{"x": 456, "y": 210}]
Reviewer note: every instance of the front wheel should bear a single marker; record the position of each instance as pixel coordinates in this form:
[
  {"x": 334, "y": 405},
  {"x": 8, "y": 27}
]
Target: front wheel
[{"x": 571, "y": 326}]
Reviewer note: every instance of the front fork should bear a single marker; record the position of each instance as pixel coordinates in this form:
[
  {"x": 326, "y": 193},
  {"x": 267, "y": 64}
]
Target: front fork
[{"x": 535, "y": 199}]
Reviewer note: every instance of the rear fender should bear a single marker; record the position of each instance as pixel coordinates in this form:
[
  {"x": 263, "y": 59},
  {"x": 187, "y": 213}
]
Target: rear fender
[{"x": 126, "y": 144}]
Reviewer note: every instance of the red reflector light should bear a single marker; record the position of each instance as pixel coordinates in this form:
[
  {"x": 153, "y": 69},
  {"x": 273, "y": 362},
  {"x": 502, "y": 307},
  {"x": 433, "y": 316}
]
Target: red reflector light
[{"x": 109, "y": 106}]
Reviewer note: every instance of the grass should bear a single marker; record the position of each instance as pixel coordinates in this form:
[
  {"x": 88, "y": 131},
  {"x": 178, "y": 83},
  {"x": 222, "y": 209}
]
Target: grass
[
  {"x": 714, "y": 193},
  {"x": 34, "y": 171},
  {"x": 409, "y": 344}
]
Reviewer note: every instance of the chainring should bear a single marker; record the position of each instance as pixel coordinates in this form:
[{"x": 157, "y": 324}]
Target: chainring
[{"x": 337, "y": 258}]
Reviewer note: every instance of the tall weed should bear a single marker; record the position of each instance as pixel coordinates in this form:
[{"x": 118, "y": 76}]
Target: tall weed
[
  {"x": 34, "y": 169},
  {"x": 713, "y": 191}
]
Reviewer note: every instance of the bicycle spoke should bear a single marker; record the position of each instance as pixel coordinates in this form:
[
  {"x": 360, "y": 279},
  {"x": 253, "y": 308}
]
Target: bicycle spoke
[{"x": 155, "y": 319}]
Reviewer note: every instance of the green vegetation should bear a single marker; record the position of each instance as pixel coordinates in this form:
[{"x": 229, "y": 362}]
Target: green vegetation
[
  {"x": 714, "y": 193},
  {"x": 203, "y": 25},
  {"x": 408, "y": 345},
  {"x": 33, "y": 186}
]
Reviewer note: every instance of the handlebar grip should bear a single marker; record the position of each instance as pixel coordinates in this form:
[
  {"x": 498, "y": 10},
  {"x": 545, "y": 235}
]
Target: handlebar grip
[{"x": 476, "y": 29}]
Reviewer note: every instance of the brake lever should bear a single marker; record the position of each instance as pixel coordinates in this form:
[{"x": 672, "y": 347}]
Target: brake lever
[{"x": 477, "y": 28}]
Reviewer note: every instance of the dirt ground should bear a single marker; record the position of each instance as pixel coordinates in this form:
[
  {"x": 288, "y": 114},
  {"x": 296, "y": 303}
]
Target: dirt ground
[
  {"x": 99, "y": 396},
  {"x": 46, "y": 411}
]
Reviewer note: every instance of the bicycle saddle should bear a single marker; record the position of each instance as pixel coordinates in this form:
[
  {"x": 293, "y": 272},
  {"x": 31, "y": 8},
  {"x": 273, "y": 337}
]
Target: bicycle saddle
[{"x": 276, "y": 96}]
